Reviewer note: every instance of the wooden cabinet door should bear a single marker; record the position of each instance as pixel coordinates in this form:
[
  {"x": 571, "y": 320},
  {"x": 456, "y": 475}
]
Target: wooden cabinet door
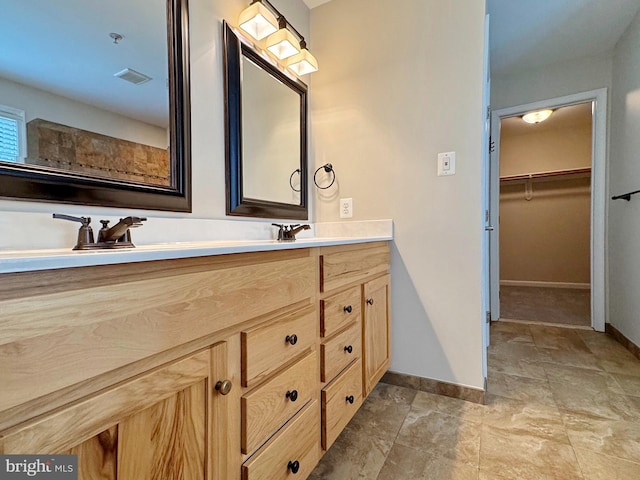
[
  {"x": 157, "y": 426},
  {"x": 376, "y": 331}
]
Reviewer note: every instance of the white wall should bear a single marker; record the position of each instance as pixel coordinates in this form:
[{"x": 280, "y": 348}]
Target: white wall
[
  {"x": 624, "y": 170},
  {"x": 392, "y": 91},
  {"x": 54, "y": 108},
  {"x": 207, "y": 113},
  {"x": 552, "y": 81}
]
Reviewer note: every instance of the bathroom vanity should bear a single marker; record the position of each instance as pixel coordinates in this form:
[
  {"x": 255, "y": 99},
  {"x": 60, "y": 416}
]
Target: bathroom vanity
[{"x": 221, "y": 367}]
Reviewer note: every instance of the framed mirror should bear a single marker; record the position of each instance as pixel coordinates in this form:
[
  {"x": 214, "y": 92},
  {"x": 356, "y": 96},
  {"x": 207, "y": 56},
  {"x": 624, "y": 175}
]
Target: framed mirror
[
  {"x": 266, "y": 135},
  {"x": 95, "y": 103}
]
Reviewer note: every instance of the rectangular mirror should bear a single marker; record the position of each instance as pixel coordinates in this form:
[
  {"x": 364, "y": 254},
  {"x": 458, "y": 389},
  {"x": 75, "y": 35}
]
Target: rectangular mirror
[
  {"x": 94, "y": 103},
  {"x": 266, "y": 150}
]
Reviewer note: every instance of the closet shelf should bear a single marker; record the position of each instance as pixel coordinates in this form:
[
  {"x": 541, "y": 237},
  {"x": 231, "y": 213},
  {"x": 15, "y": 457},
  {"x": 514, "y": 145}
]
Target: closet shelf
[{"x": 552, "y": 173}]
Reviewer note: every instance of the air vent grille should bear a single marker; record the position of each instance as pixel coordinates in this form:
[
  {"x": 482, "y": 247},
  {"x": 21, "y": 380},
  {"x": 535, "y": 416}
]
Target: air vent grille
[{"x": 132, "y": 76}]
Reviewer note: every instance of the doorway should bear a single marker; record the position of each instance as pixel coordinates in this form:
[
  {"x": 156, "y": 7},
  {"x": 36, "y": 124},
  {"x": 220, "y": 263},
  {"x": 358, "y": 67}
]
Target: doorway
[{"x": 571, "y": 278}]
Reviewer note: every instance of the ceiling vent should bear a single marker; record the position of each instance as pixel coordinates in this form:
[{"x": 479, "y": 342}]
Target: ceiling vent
[{"x": 130, "y": 75}]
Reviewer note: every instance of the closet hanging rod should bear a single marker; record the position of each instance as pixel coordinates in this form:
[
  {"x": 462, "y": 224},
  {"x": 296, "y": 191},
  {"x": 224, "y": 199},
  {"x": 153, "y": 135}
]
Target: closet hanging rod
[
  {"x": 626, "y": 196},
  {"x": 551, "y": 173}
]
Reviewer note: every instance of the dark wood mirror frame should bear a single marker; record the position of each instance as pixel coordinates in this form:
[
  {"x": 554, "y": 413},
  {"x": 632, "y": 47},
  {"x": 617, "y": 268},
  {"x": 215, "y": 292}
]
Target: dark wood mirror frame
[
  {"x": 237, "y": 204},
  {"x": 47, "y": 185}
]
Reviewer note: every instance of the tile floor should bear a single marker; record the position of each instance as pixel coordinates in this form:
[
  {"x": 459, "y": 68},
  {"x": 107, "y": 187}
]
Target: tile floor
[
  {"x": 563, "y": 404},
  {"x": 566, "y": 306}
]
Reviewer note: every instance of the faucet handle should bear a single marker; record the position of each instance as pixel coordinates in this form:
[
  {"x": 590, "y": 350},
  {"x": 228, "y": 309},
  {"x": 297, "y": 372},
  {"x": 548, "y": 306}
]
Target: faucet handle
[
  {"x": 281, "y": 230},
  {"x": 85, "y": 221},
  {"x": 85, "y": 234}
]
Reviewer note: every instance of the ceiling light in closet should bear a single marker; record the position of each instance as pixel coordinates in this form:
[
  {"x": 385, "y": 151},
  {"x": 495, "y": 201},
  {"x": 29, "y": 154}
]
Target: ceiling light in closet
[{"x": 537, "y": 117}]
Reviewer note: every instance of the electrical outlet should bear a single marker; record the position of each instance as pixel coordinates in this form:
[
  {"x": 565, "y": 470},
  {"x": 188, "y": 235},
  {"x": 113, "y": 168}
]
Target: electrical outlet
[{"x": 346, "y": 207}]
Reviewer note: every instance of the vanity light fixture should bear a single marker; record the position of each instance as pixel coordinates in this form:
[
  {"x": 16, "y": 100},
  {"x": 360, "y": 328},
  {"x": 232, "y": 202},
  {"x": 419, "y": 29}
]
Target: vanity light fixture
[
  {"x": 282, "y": 43},
  {"x": 265, "y": 24},
  {"x": 258, "y": 21},
  {"x": 303, "y": 63},
  {"x": 538, "y": 116}
]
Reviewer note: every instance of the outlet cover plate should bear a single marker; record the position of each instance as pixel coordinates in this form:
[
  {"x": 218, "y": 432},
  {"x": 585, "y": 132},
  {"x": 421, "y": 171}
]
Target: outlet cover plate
[{"x": 346, "y": 208}]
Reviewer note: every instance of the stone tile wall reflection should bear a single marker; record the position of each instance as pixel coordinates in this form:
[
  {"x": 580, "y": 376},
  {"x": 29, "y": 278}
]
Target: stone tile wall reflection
[{"x": 71, "y": 149}]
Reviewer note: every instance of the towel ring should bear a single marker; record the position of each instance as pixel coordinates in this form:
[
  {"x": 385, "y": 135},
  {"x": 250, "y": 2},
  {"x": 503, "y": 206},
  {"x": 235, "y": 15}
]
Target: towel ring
[
  {"x": 327, "y": 168},
  {"x": 297, "y": 170}
]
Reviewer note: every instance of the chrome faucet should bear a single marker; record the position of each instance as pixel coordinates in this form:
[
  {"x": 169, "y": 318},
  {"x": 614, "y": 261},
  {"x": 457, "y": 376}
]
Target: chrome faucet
[
  {"x": 117, "y": 236},
  {"x": 287, "y": 233}
]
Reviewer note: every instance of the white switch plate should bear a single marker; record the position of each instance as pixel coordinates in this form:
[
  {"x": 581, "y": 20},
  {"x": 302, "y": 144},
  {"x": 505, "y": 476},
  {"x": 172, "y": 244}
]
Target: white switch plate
[
  {"x": 446, "y": 164},
  {"x": 346, "y": 207}
]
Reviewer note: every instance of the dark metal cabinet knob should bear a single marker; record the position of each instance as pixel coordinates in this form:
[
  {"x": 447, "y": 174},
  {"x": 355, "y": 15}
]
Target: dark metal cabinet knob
[
  {"x": 350, "y": 399},
  {"x": 294, "y": 466},
  {"x": 348, "y": 349},
  {"x": 292, "y": 339},
  {"x": 224, "y": 387},
  {"x": 348, "y": 309},
  {"x": 369, "y": 301},
  {"x": 292, "y": 395}
]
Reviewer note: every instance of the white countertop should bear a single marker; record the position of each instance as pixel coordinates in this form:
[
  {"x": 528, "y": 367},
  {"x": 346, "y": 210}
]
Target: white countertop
[{"x": 12, "y": 261}]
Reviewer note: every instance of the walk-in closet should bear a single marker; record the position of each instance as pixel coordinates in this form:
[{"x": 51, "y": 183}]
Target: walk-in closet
[{"x": 545, "y": 217}]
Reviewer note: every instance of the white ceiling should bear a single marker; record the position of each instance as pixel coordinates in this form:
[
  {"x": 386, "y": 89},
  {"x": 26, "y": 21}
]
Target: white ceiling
[
  {"x": 63, "y": 47},
  {"x": 315, "y": 3},
  {"x": 531, "y": 33}
]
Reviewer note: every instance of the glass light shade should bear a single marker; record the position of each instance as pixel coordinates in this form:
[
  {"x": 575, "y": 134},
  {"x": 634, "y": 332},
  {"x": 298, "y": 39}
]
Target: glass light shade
[
  {"x": 302, "y": 63},
  {"x": 282, "y": 44},
  {"x": 537, "y": 117},
  {"x": 258, "y": 21}
]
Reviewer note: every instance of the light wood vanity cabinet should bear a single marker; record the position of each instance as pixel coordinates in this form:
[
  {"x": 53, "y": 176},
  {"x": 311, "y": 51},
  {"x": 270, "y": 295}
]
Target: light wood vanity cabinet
[
  {"x": 155, "y": 426},
  {"x": 354, "y": 325},
  {"x": 231, "y": 367}
]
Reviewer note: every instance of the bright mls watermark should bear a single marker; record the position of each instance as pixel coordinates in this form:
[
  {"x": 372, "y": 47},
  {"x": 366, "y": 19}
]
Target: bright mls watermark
[{"x": 41, "y": 467}]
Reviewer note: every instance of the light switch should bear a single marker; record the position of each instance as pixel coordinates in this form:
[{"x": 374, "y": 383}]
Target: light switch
[{"x": 446, "y": 164}]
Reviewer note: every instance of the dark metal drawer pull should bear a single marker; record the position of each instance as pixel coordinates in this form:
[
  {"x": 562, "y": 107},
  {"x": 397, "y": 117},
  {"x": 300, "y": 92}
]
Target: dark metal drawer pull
[{"x": 294, "y": 466}]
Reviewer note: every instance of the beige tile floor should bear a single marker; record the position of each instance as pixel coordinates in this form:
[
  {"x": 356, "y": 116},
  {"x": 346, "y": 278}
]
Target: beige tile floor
[{"x": 563, "y": 404}]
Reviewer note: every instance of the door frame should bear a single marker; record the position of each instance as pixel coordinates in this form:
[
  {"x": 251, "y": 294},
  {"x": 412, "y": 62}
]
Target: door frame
[{"x": 599, "y": 166}]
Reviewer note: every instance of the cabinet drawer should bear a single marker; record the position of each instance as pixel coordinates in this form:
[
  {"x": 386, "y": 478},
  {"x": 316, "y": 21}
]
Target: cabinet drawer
[
  {"x": 337, "y": 408},
  {"x": 268, "y": 407},
  {"x": 338, "y": 352},
  {"x": 296, "y": 445},
  {"x": 340, "y": 309},
  {"x": 342, "y": 266},
  {"x": 268, "y": 346}
]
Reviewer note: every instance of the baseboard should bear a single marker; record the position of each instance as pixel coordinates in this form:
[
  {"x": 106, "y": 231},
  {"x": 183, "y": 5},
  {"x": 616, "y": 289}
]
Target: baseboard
[
  {"x": 524, "y": 283},
  {"x": 621, "y": 339},
  {"x": 474, "y": 395}
]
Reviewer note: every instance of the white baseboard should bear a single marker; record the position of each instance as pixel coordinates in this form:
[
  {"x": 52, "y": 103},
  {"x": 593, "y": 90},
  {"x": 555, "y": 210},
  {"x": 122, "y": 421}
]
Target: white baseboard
[{"x": 524, "y": 283}]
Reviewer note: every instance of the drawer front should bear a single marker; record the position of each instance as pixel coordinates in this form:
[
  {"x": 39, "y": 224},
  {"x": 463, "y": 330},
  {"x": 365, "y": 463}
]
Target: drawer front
[
  {"x": 338, "y": 352},
  {"x": 337, "y": 408},
  {"x": 348, "y": 265},
  {"x": 296, "y": 445},
  {"x": 339, "y": 310},
  {"x": 267, "y": 408},
  {"x": 268, "y": 346}
]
